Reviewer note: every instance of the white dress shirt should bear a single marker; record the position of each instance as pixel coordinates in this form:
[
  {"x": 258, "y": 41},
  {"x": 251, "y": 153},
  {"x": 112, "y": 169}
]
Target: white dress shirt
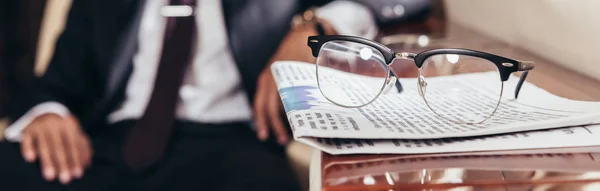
[{"x": 211, "y": 92}]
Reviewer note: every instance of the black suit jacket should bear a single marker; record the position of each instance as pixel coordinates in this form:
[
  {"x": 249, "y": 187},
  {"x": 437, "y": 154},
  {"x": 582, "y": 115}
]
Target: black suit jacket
[{"x": 93, "y": 57}]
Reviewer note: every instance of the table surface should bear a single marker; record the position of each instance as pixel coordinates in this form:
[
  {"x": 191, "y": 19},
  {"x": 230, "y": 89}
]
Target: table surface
[{"x": 442, "y": 172}]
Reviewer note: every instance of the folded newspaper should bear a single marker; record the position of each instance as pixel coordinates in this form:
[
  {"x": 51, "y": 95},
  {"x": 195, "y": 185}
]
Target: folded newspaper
[{"x": 401, "y": 123}]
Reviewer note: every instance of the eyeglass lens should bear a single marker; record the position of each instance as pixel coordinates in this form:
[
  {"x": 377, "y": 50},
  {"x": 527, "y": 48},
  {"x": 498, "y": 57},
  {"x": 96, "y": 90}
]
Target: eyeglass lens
[
  {"x": 350, "y": 74},
  {"x": 471, "y": 98}
]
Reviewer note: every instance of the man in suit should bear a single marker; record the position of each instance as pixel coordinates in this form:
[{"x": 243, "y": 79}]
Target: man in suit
[{"x": 158, "y": 95}]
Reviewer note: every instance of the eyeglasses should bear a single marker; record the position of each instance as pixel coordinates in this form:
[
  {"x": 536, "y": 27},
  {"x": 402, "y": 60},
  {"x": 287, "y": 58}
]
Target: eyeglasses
[{"x": 353, "y": 72}]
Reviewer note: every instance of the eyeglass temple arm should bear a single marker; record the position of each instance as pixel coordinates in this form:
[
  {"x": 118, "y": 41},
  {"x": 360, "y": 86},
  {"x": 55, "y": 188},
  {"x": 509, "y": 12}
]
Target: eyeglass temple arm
[{"x": 523, "y": 66}]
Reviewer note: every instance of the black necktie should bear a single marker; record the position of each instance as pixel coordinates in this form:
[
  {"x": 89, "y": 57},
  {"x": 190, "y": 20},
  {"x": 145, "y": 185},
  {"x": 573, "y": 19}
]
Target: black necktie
[{"x": 149, "y": 137}]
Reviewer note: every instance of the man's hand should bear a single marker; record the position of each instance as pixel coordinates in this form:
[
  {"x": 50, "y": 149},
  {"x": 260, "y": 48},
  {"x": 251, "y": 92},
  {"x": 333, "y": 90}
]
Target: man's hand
[
  {"x": 268, "y": 108},
  {"x": 62, "y": 148}
]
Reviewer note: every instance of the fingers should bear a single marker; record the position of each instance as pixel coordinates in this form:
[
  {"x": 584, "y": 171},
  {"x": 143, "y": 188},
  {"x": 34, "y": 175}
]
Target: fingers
[
  {"x": 82, "y": 147},
  {"x": 58, "y": 143},
  {"x": 27, "y": 148},
  {"x": 274, "y": 112},
  {"x": 268, "y": 108},
  {"x": 86, "y": 152},
  {"x": 46, "y": 162},
  {"x": 71, "y": 142},
  {"x": 262, "y": 127}
]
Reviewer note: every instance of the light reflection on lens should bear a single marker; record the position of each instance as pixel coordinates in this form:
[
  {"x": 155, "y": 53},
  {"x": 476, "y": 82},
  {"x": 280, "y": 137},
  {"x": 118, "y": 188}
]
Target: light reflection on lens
[
  {"x": 366, "y": 53},
  {"x": 452, "y": 58}
]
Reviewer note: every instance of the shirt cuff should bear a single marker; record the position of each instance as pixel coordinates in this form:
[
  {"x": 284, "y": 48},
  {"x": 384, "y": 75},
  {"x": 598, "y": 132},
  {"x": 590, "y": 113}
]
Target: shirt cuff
[
  {"x": 349, "y": 18},
  {"x": 13, "y": 132}
]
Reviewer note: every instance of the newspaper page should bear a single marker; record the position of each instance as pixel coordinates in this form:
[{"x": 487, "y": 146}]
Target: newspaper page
[
  {"x": 405, "y": 116},
  {"x": 550, "y": 138},
  {"x": 593, "y": 151}
]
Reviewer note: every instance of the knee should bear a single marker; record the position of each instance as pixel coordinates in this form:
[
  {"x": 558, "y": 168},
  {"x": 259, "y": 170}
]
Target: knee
[
  {"x": 8, "y": 152},
  {"x": 11, "y": 162}
]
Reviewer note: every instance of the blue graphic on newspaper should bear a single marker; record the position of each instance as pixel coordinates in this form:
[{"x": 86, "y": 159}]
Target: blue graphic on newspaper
[{"x": 299, "y": 97}]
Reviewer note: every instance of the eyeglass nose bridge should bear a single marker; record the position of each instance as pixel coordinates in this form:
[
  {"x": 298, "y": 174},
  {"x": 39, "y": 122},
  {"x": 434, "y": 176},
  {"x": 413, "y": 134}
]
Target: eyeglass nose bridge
[{"x": 405, "y": 55}]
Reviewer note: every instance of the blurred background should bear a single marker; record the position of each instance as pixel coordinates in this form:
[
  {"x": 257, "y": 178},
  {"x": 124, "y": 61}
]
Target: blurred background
[
  {"x": 561, "y": 32},
  {"x": 565, "y": 32}
]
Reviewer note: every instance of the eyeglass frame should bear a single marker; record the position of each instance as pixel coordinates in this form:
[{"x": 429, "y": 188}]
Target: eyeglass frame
[{"x": 506, "y": 66}]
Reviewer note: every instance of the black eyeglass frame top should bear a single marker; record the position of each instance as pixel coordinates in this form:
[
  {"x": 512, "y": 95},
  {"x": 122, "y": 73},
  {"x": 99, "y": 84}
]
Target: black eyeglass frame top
[{"x": 506, "y": 66}]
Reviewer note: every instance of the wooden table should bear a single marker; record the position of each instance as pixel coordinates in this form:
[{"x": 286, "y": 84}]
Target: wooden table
[
  {"x": 445, "y": 173},
  {"x": 462, "y": 172}
]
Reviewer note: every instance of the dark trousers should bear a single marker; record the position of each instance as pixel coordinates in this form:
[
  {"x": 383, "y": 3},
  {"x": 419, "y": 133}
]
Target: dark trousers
[{"x": 199, "y": 157}]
